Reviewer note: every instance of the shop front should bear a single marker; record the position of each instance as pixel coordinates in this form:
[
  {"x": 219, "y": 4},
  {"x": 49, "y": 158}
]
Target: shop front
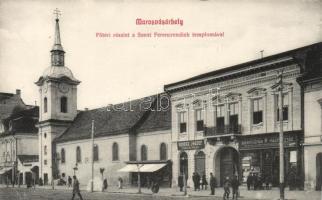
[{"x": 259, "y": 155}]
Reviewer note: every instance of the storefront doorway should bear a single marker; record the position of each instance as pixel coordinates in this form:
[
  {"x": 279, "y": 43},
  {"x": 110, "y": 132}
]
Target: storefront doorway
[
  {"x": 318, "y": 171},
  {"x": 227, "y": 163},
  {"x": 200, "y": 163},
  {"x": 184, "y": 164}
]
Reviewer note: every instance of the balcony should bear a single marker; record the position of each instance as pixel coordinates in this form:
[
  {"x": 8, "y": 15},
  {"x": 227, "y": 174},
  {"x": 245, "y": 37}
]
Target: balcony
[{"x": 226, "y": 130}]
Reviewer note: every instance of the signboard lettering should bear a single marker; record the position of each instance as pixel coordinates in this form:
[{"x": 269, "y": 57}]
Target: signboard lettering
[{"x": 189, "y": 145}]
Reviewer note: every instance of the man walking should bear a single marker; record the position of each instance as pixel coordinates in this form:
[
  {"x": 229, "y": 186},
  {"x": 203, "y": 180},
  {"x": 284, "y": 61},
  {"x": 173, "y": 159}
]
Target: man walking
[
  {"x": 212, "y": 183},
  {"x": 234, "y": 186},
  {"x": 76, "y": 188},
  {"x": 69, "y": 180},
  {"x": 226, "y": 188}
]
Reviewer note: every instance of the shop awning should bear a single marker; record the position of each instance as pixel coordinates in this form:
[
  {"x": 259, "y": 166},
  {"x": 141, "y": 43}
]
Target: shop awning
[
  {"x": 142, "y": 167},
  {"x": 4, "y": 170}
]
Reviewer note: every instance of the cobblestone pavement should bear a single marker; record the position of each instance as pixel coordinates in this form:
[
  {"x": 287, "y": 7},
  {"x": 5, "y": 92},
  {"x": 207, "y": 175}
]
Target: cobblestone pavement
[{"x": 62, "y": 193}]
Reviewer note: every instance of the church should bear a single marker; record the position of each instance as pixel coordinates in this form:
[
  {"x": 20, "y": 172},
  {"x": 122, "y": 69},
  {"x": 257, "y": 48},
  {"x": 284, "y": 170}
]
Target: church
[
  {"x": 134, "y": 132},
  {"x": 226, "y": 122}
]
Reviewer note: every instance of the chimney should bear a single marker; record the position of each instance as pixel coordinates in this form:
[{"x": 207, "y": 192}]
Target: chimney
[{"x": 18, "y": 92}]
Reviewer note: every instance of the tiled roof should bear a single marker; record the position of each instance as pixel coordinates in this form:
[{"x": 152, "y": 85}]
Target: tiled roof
[
  {"x": 117, "y": 119},
  {"x": 159, "y": 117},
  {"x": 22, "y": 122},
  {"x": 28, "y": 158},
  {"x": 10, "y": 103}
]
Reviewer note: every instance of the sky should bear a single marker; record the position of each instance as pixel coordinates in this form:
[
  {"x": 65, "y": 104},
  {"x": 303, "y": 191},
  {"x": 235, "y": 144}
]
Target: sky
[{"x": 114, "y": 70}]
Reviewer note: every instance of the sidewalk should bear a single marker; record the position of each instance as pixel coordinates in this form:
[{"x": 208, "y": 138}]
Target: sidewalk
[{"x": 244, "y": 193}]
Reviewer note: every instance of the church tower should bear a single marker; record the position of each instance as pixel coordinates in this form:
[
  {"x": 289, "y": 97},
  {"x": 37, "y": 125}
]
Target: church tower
[{"x": 58, "y": 106}]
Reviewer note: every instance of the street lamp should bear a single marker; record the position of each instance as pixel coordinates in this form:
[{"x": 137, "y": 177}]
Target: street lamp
[{"x": 183, "y": 159}]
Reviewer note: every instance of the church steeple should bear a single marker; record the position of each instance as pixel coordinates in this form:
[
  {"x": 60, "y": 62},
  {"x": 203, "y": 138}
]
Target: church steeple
[{"x": 57, "y": 52}]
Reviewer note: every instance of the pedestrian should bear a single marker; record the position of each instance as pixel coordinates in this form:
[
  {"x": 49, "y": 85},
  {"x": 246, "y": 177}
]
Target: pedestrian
[
  {"x": 204, "y": 182},
  {"x": 234, "y": 186},
  {"x": 198, "y": 181},
  {"x": 255, "y": 181},
  {"x": 69, "y": 180},
  {"x": 105, "y": 185},
  {"x": 76, "y": 188},
  {"x": 120, "y": 181},
  {"x": 194, "y": 179},
  {"x": 267, "y": 182},
  {"x": 148, "y": 182},
  {"x": 212, "y": 183},
  {"x": 226, "y": 188},
  {"x": 180, "y": 182},
  {"x": 249, "y": 180}
]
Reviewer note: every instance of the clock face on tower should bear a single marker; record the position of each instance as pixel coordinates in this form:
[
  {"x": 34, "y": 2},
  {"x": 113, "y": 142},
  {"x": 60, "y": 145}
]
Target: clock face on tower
[{"x": 63, "y": 87}]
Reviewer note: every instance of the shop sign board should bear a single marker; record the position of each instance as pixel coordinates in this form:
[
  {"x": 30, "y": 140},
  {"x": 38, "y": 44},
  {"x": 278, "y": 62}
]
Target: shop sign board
[
  {"x": 191, "y": 144},
  {"x": 267, "y": 141}
]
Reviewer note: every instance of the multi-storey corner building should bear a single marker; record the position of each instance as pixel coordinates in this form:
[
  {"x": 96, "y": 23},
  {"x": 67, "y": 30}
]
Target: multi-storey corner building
[{"x": 227, "y": 121}]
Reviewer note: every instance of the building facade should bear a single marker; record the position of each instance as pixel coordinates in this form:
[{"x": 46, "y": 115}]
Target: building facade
[
  {"x": 18, "y": 140},
  {"x": 227, "y": 121}
]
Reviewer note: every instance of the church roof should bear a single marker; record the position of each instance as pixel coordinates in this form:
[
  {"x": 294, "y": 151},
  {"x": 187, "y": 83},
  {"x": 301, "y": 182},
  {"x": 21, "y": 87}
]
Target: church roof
[
  {"x": 123, "y": 118},
  {"x": 58, "y": 72}
]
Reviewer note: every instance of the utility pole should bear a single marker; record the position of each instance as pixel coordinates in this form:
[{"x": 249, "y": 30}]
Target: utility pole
[
  {"x": 281, "y": 136},
  {"x": 92, "y": 182}
]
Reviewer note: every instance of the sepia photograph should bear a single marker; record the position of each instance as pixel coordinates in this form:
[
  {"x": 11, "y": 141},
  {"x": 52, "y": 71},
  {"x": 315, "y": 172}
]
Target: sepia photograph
[{"x": 140, "y": 100}]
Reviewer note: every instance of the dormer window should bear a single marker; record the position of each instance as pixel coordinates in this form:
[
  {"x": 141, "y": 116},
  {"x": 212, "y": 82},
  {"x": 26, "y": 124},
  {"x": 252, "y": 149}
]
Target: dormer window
[{"x": 63, "y": 104}]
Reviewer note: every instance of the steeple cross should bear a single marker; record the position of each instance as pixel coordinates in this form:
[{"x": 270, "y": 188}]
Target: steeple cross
[{"x": 57, "y": 13}]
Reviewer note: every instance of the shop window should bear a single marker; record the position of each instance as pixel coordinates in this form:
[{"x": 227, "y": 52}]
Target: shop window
[
  {"x": 257, "y": 111},
  {"x": 144, "y": 153},
  {"x": 183, "y": 122},
  {"x": 285, "y": 108},
  {"x": 199, "y": 120},
  {"x": 62, "y": 155},
  {"x": 78, "y": 155},
  {"x": 163, "y": 151},
  {"x": 220, "y": 118},
  {"x": 95, "y": 152},
  {"x": 63, "y": 104}
]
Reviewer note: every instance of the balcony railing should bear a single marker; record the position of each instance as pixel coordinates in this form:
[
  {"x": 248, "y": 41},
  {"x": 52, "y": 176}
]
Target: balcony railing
[{"x": 228, "y": 129}]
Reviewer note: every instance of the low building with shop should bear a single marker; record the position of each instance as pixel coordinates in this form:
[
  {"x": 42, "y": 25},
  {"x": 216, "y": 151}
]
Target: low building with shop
[
  {"x": 226, "y": 121},
  {"x": 18, "y": 139}
]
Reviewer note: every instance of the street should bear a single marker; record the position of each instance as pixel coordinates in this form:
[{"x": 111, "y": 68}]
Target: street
[
  {"x": 46, "y": 194},
  {"x": 63, "y": 194}
]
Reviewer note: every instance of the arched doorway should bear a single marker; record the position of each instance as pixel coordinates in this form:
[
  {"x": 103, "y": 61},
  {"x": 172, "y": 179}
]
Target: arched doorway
[
  {"x": 226, "y": 163},
  {"x": 200, "y": 163},
  {"x": 318, "y": 171},
  {"x": 184, "y": 164}
]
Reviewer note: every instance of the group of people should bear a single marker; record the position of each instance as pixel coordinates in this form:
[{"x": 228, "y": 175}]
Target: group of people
[
  {"x": 199, "y": 181},
  {"x": 255, "y": 181}
]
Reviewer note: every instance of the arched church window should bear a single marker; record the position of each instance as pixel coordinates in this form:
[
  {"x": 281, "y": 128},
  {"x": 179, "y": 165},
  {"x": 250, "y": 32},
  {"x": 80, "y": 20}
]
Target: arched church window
[
  {"x": 78, "y": 155},
  {"x": 45, "y": 104},
  {"x": 115, "y": 151},
  {"x": 163, "y": 151},
  {"x": 45, "y": 150},
  {"x": 62, "y": 155},
  {"x": 144, "y": 154},
  {"x": 95, "y": 151},
  {"x": 63, "y": 104}
]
